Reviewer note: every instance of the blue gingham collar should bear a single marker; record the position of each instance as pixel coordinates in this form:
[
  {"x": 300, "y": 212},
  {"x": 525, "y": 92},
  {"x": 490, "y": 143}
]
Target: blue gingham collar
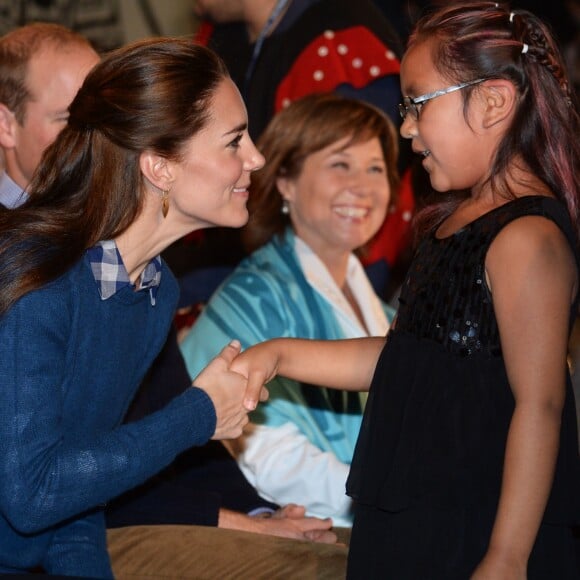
[{"x": 111, "y": 275}]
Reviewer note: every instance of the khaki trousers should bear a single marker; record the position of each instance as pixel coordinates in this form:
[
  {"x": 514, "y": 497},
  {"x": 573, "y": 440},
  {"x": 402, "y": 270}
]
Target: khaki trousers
[{"x": 206, "y": 553}]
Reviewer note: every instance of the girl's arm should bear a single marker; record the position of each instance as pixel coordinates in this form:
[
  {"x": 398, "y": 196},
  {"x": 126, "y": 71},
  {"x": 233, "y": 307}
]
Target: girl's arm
[
  {"x": 533, "y": 279},
  {"x": 342, "y": 364}
]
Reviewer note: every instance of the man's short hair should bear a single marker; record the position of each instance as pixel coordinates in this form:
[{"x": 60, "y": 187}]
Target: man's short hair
[{"x": 17, "y": 47}]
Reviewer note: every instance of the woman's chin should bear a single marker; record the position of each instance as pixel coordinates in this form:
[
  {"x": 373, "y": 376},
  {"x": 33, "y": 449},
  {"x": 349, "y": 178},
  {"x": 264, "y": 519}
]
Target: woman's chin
[{"x": 239, "y": 221}]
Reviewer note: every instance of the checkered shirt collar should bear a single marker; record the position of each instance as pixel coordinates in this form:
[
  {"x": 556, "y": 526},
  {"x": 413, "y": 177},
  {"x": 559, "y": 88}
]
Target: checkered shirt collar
[{"x": 111, "y": 275}]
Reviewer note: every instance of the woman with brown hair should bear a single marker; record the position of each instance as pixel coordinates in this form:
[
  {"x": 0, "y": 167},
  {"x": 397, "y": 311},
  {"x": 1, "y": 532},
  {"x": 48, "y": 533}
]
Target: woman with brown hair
[
  {"x": 156, "y": 146},
  {"x": 322, "y": 195}
]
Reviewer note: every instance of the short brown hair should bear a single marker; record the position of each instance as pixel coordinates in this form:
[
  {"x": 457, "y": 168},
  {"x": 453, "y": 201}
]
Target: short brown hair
[
  {"x": 17, "y": 47},
  {"x": 303, "y": 128}
]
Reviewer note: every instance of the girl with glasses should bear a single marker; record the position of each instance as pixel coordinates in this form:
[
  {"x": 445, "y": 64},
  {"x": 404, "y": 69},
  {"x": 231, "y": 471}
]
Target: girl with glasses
[{"x": 467, "y": 460}]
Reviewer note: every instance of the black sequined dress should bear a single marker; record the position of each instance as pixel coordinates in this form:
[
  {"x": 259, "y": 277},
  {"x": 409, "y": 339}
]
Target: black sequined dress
[{"x": 440, "y": 404}]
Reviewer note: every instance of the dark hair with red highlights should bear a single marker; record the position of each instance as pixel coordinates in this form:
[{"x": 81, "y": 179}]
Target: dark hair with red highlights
[
  {"x": 153, "y": 95},
  {"x": 486, "y": 40}
]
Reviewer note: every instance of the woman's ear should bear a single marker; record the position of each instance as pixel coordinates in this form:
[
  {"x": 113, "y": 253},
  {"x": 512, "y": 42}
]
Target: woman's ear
[
  {"x": 157, "y": 169},
  {"x": 499, "y": 99},
  {"x": 286, "y": 188}
]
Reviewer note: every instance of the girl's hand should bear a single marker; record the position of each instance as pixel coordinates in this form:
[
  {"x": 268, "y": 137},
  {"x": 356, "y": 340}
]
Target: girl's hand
[
  {"x": 259, "y": 364},
  {"x": 227, "y": 390}
]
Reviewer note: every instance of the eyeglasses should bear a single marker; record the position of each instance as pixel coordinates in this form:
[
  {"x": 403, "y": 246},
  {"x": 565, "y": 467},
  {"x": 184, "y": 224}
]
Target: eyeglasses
[{"x": 414, "y": 105}]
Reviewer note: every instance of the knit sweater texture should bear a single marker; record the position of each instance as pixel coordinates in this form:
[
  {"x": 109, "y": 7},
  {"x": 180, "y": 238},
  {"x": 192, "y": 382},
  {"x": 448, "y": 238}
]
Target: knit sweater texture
[{"x": 70, "y": 364}]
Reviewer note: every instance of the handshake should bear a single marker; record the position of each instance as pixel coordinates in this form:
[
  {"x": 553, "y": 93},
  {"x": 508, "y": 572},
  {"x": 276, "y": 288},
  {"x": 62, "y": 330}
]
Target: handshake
[
  {"x": 235, "y": 383},
  {"x": 236, "y": 380}
]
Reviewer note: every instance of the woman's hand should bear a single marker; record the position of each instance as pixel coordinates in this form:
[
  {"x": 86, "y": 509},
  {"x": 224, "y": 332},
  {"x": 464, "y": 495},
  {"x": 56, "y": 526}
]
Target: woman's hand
[
  {"x": 291, "y": 521},
  {"x": 227, "y": 390},
  {"x": 288, "y": 522}
]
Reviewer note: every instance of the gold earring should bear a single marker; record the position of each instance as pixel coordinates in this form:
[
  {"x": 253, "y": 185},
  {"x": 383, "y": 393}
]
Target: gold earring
[{"x": 165, "y": 203}]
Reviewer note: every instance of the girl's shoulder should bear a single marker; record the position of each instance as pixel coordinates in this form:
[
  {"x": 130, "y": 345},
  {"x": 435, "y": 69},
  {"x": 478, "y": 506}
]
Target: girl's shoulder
[
  {"x": 532, "y": 217},
  {"x": 542, "y": 205},
  {"x": 536, "y": 244},
  {"x": 488, "y": 225},
  {"x": 532, "y": 234}
]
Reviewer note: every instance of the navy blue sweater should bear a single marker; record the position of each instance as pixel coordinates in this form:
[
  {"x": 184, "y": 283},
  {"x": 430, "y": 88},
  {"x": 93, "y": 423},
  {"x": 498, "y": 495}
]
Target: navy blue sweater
[{"x": 69, "y": 366}]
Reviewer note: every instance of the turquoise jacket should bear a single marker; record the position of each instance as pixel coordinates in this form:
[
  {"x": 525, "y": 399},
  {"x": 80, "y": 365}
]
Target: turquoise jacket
[{"x": 267, "y": 296}]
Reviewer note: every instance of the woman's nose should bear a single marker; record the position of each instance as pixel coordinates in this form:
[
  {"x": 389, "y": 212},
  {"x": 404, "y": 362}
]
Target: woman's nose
[{"x": 255, "y": 159}]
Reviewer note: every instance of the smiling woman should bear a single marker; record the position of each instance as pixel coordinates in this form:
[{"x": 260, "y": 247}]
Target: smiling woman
[
  {"x": 209, "y": 182},
  {"x": 322, "y": 195},
  {"x": 156, "y": 146}
]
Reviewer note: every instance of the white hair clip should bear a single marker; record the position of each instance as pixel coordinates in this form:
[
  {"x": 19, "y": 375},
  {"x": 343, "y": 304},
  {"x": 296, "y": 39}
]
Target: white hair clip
[
  {"x": 524, "y": 48},
  {"x": 512, "y": 14}
]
